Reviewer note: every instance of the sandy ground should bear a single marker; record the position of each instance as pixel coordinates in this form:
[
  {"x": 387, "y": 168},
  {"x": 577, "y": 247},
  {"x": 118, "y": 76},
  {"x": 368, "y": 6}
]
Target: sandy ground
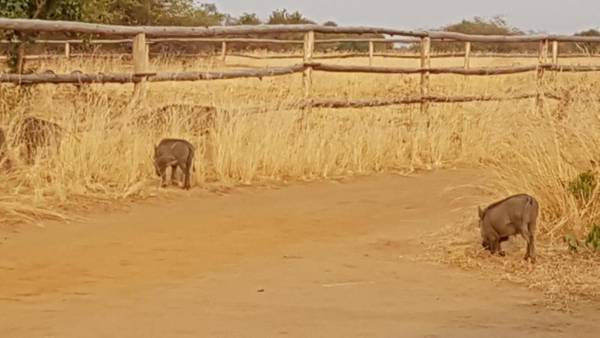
[{"x": 311, "y": 260}]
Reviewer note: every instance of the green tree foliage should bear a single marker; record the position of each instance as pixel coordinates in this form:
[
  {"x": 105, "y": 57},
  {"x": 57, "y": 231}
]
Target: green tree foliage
[
  {"x": 283, "y": 17},
  {"x": 152, "y": 12},
  {"x": 33, "y": 9},
  {"x": 495, "y": 26},
  {"x": 41, "y": 9},
  {"x": 481, "y": 26},
  {"x": 587, "y": 47},
  {"x": 249, "y": 19}
]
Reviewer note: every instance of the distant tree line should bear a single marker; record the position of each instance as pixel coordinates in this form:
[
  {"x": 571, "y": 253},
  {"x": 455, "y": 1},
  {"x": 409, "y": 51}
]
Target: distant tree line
[
  {"x": 499, "y": 26},
  {"x": 193, "y": 13}
]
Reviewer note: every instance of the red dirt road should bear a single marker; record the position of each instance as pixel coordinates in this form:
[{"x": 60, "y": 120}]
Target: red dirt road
[{"x": 316, "y": 260}]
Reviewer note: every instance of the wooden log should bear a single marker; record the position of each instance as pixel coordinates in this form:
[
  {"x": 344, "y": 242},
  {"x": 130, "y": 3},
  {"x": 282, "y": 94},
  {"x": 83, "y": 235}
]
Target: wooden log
[
  {"x": 425, "y": 65},
  {"x": 415, "y": 100},
  {"x": 31, "y": 79},
  {"x": 67, "y": 50},
  {"x": 555, "y": 52},
  {"x": 371, "y": 50},
  {"x": 140, "y": 66},
  {"x": 467, "y": 55},
  {"x": 28, "y": 25},
  {"x": 267, "y": 57},
  {"x": 404, "y": 70},
  {"x": 237, "y": 74},
  {"x": 356, "y": 55},
  {"x": 223, "y": 51},
  {"x": 229, "y": 40},
  {"x": 438, "y": 35},
  {"x": 309, "y": 45},
  {"x": 575, "y": 69},
  {"x": 80, "y": 78},
  {"x": 405, "y": 40}
]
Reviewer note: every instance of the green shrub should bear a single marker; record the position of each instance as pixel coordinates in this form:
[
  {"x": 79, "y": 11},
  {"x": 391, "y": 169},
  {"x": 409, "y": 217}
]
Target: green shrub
[
  {"x": 593, "y": 238},
  {"x": 582, "y": 187}
]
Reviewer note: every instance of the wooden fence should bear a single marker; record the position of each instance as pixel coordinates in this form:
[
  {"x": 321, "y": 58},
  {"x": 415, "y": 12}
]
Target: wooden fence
[{"x": 142, "y": 36}]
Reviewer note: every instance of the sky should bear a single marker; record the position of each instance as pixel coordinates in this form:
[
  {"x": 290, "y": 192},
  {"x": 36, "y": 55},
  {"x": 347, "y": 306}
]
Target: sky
[{"x": 548, "y": 16}]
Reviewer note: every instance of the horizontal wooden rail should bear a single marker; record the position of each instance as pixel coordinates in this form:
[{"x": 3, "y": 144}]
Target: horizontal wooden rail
[
  {"x": 28, "y": 25},
  {"x": 406, "y": 40},
  {"x": 80, "y": 78},
  {"x": 414, "y": 100},
  {"x": 172, "y": 31},
  {"x": 574, "y": 68},
  {"x": 213, "y": 40},
  {"x": 344, "y": 56},
  {"x": 50, "y": 78},
  {"x": 404, "y": 70}
]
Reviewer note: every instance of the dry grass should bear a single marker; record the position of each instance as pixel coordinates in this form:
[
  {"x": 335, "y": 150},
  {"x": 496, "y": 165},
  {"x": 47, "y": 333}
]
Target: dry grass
[{"x": 256, "y": 139}]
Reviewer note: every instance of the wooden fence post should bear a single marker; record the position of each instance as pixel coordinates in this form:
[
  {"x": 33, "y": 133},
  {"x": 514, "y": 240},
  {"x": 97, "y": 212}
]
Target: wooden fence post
[
  {"x": 542, "y": 61},
  {"x": 67, "y": 50},
  {"x": 309, "y": 47},
  {"x": 555, "y": 52},
  {"x": 140, "y": 66},
  {"x": 425, "y": 64},
  {"x": 223, "y": 51},
  {"x": 467, "y": 54},
  {"x": 371, "y": 50}
]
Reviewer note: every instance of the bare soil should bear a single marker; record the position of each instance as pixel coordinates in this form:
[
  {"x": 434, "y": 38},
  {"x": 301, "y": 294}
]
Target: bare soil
[{"x": 325, "y": 259}]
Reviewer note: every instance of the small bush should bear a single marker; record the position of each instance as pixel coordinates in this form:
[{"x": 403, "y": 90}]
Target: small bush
[
  {"x": 593, "y": 238},
  {"x": 583, "y": 186},
  {"x": 592, "y": 241}
]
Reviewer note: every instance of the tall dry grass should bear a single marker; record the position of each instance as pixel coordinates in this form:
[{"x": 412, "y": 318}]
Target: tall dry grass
[{"x": 258, "y": 138}]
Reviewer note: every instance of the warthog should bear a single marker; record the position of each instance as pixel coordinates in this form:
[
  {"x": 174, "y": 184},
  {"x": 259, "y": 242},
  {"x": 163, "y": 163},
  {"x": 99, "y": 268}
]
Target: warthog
[
  {"x": 34, "y": 133},
  {"x": 513, "y": 215},
  {"x": 174, "y": 153}
]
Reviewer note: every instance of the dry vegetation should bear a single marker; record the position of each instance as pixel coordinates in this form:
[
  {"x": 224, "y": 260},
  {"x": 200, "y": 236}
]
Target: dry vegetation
[{"x": 106, "y": 154}]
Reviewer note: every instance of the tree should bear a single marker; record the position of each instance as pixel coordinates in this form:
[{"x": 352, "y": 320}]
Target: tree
[
  {"x": 588, "y": 47},
  {"x": 481, "y": 26},
  {"x": 33, "y": 9},
  {"x": 283, "y": 17},
  {"x": 152, "y": 12},
  {"x": 249, "y": 19}
]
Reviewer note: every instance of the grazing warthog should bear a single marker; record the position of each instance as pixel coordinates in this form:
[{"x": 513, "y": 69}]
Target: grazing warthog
[
  {"x": 174, "y": 153},
  {"x": 34, "y": 133},
  {"x": 513, "y": 215}
]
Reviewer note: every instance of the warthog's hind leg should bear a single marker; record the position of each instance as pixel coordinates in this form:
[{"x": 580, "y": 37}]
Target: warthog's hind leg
[{"x": 528, "y": 236}]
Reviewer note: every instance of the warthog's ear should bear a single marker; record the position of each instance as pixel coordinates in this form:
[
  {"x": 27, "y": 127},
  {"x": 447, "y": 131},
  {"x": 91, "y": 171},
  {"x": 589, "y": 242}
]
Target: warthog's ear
[{"x": 480, "y": 212}]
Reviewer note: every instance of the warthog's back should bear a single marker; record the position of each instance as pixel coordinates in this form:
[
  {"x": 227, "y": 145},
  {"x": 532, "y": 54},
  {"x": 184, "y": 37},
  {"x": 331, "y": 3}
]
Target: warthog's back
[
  {"x": 177, "y": 148},
  {"x": 511, "y": 212},
  {"x": 37, "y": 131}
]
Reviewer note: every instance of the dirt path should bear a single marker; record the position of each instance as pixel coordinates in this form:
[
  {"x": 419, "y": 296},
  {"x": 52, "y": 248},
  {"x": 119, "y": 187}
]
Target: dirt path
[{"x": 315, "y": 260}]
